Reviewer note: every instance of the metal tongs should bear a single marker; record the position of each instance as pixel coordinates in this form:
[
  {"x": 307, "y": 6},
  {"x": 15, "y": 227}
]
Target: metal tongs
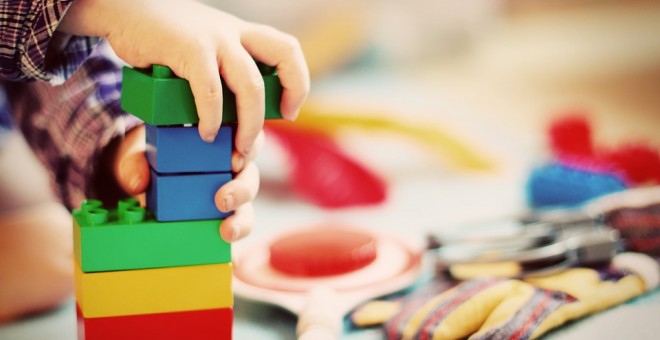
[{"x": 538, "y": 247}]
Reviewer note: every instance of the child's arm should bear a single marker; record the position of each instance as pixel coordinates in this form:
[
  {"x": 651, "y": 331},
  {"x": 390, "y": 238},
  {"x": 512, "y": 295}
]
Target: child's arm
[{"x": 197, "y": 42}]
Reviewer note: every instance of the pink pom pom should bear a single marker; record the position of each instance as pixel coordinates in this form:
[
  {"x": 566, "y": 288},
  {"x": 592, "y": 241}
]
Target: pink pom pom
[
  {"x": 639, "y": 163},
  {"x": 570, "y": 137}
]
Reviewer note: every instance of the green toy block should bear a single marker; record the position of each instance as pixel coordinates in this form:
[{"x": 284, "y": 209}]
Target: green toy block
[
  {"x": 130, "y": 238},
  {"x": 159, "y": 97}
]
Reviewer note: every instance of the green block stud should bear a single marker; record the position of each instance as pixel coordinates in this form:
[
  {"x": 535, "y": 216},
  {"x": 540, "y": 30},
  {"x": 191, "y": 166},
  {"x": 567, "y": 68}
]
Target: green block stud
[
  {"x": 159, "y": 97},
  {"x": 130, "y": 238}
]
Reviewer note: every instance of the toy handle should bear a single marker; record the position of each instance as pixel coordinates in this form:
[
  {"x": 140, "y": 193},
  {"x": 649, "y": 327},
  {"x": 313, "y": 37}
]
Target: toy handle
[{"x": 320, "y": 319}]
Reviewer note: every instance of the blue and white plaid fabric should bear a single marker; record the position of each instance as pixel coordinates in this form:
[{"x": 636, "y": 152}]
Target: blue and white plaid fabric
[{"x": 68, "y": 123}]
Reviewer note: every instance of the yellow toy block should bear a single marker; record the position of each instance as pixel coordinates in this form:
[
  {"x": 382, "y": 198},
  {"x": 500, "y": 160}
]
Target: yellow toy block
[{"x": 147, "y": 291}]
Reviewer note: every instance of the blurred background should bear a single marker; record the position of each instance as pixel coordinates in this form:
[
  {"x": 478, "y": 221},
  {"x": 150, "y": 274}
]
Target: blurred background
[
  {"x": 527, "y": 58},
  {"x": 488, "y": 75},
  {"x": 518, "y": 60},
  {"x": 485, "y": 78}
]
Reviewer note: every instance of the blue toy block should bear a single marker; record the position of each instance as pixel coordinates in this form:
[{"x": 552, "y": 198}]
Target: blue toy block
[
  {"x": 179, "y": 149},
  {"x": 183, "y": 197}
]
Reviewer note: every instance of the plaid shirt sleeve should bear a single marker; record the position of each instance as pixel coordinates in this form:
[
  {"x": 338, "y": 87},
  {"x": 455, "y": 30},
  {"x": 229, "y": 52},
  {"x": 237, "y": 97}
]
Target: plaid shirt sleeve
[
  {"x": 28, "y": 31},
  {"x": 69, "y": 126}
]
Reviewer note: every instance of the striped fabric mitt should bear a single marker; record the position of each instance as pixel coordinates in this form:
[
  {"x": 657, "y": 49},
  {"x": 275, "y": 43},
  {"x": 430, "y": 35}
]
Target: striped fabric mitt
[{"x": 510, "y": 308}]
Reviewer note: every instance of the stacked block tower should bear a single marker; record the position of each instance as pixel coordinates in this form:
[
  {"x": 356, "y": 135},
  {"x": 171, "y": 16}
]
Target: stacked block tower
[{"x": 163, "y": 272}]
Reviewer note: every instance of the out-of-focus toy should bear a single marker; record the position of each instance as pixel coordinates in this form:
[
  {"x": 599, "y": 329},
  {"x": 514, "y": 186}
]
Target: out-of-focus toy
[
  {"x": 536, "y": 249},
  {"x": 163, "y": 272},
  {"x": 458, "y": 153},
  {"x": 581, "y": 171},
  {"x": 549, "y": 241},
  {"x": 308, "y": 254},
  {"x": 320, "y": 273},
  {"x": 556, "y": 185},
  {"x": 323, "y": 174}
]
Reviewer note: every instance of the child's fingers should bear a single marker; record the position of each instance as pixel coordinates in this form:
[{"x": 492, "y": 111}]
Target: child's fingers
[
  {"x": 238, "y": 225},
  {"x": 238, "y": 160},
  {"x": 243, "y": 78},
  {"x": 242, "y": 189},
  {"x": 202, "y": 72},
  {"x": 275, "y": 48}
]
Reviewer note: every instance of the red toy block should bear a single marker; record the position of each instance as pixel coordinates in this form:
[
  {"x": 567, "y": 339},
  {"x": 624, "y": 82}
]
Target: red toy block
[{"x": 201, "y": 324}]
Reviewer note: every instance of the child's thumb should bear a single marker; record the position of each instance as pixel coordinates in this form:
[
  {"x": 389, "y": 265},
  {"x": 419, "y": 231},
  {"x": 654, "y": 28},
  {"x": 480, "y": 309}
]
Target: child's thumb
[
  {"x": 133, "y": 173},
  {"x": 131, "y": 168}
]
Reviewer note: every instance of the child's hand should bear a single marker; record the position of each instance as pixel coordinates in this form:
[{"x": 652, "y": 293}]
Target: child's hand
[
  {"x": 197, "y": 42},
  {"x": 131, "y": 170}
]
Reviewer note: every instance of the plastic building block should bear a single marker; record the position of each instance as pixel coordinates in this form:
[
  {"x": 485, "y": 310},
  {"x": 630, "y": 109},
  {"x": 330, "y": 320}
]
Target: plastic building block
[
  {"x": 183, "y": 197},
  {"x": 159, "y": 97},
  {"x": 178, "y": 149},
  {"x": 148, "y": 291},
  {"x": 201, "y": 324},
  {"x": 130, "y": 238}
]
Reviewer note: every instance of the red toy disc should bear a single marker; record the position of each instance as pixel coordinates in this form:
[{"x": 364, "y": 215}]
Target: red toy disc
[{"x": 322, "y": 251}]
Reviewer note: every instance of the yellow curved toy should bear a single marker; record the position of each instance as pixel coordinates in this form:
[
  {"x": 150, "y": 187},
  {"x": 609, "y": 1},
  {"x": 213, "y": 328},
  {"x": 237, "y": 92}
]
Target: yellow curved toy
[{"x": 458, "y": 153}]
